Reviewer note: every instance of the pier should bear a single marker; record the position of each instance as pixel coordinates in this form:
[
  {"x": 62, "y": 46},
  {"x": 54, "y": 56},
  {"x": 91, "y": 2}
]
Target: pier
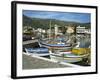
[
  {"x": 30, "y": 41},
  {"x": 36, "y": 62}
]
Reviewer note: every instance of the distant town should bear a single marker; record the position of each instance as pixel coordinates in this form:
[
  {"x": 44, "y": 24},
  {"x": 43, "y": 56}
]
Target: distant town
[{"x": 32, "y": 33}]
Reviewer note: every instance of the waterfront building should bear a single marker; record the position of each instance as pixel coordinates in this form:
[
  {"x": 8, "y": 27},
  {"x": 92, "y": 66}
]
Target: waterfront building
[{"x": 80, "y": 30}]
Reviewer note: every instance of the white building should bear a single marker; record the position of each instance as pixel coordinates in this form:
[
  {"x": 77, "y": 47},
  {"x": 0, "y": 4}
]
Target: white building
[
  {"x": 57, "y": 30},
  {"x": 80, "y": 29},
  {"x": 83, "y": 30},
  {"x": 88, "y": 31}
]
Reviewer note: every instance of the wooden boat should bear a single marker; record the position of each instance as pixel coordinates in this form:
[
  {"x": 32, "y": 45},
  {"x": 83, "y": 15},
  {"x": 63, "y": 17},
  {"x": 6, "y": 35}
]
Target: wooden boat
[
  {"x": 67, "y": 57},
  {"x": 42, "y": 51}
]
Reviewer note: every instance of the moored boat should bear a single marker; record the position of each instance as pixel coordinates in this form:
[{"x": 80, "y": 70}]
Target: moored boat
[
  {"x": 67, "y": 57},
  {"x": 42, "y": 51}
]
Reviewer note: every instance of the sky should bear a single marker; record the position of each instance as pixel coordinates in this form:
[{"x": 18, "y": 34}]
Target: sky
[{"x": 64, "y": 16}]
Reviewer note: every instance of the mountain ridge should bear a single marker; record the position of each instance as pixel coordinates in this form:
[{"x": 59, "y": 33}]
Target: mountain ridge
[{"x": 44, "y": 23}]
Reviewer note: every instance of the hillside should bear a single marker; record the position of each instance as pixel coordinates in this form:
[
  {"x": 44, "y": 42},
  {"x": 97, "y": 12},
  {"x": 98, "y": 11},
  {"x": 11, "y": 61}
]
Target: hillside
[{"x": 44, "y": 23}]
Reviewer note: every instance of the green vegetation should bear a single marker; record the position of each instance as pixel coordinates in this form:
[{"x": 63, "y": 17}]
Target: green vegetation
[{"x": 44, "y": 23}]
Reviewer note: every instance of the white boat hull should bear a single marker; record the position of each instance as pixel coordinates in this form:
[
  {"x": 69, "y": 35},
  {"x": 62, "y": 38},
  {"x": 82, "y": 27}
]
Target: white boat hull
[{"x": 67, "y": 59}]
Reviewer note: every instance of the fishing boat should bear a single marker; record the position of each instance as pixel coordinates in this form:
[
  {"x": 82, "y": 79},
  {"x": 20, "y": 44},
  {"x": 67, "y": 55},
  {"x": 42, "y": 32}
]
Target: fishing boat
[
  {"x": 42, "y": 51},
  {"x": 67, "y": 57},
  {"x": 61, "y": 52},
  {"x": 60, "y": 49},
  {"x": 54, "y": 44}
]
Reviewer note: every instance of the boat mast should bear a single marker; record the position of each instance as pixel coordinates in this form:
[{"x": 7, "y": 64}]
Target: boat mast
[{"x": 50, "y": 30}]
